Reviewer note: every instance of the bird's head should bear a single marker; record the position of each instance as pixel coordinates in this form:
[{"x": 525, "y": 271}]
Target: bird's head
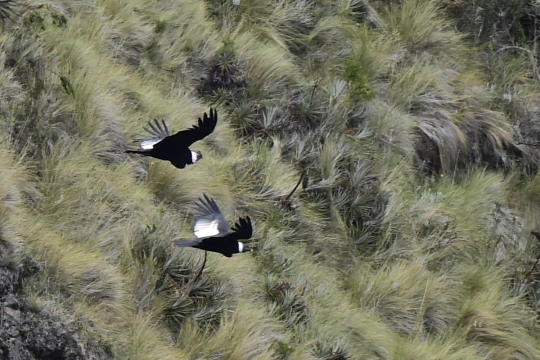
[
  {"x": 196, "y": 156},
  {"x": 243, "y": 248}
]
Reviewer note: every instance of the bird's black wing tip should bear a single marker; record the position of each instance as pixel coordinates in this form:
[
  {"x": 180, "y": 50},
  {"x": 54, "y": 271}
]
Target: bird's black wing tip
[
  {"x": 207, "y": 206},
  {"x": 206, "y": 201},
  {"x": 243, "y": 224},
  {"x": 208, "y": 123},
  {"x": 157, "y": 129},
  {"x": 213, "y": 113}
]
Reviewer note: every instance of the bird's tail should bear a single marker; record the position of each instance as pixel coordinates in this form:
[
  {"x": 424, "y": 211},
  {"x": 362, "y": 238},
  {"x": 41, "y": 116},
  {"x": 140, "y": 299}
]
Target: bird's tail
[
  {"x": 142, "y": 152},
  {"x": 183, "y": 243}
]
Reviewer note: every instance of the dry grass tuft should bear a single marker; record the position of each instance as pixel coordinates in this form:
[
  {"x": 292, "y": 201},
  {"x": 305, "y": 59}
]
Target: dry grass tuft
[{"x": 407, "y": 239}]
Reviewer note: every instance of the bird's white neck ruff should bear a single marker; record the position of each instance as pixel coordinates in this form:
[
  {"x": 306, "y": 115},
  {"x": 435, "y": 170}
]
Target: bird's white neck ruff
[
  {"x": 194, "y": 157},
  {"x": 240, "y": 247}
]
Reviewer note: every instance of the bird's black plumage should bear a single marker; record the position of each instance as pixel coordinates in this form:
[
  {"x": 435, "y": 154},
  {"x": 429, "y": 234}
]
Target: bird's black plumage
[
  {"x": 175, "y": 148},
  {"x": 226, "y": 245},
  {"x": 211, "y": 221}
]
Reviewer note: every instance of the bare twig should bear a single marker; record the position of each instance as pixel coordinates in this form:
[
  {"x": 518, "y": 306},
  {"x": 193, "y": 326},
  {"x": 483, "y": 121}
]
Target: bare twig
[
  {"x": 313, "y": 91},
  {"x": 202, "y": 268},
  {"x": 296, "y": 187}
]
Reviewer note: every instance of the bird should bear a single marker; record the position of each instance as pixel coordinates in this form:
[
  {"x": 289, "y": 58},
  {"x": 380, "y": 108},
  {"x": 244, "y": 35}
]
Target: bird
[
  {"x": 175, "y": 148},
  {"x": 212, "y": 231}
]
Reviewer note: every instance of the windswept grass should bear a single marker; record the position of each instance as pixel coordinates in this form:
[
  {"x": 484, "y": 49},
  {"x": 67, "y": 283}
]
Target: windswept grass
[{"x": 408, "y": 238}]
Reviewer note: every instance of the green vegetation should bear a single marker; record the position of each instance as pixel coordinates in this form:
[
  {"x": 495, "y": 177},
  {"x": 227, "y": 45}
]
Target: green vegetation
[{"x": 418, "y": 129}]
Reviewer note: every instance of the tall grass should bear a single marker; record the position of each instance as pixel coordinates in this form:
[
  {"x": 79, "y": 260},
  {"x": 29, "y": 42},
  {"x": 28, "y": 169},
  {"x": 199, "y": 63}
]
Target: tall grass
[{"x": 393, "y": 248}]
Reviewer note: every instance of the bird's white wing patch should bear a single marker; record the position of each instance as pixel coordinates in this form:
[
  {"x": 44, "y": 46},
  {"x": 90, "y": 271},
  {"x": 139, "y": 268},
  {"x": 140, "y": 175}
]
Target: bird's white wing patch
[
  {"x": 194, "y": 157},
  {"x": 205, "y": 228},
  {"x": 149, "y": 144},
  {"x": 240, "y": 247}
]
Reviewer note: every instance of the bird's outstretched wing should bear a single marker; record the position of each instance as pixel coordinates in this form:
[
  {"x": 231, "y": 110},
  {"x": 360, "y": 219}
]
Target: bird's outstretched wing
[
  {"x": 243, "y": 229},
  {"x": 159, "y": 131},
  {"x": 209, "y": 221},
  {"x": 185, "y": 138}
]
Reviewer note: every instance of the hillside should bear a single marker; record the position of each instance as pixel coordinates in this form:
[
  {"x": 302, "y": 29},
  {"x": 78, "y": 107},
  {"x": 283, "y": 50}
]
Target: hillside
[{"x": 415, "y": 122}]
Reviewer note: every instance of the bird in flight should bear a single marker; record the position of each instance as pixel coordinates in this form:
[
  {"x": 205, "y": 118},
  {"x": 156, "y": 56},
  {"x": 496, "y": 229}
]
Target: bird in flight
[
  {"x": 175, "y": 148},
  {"x": 212, "y": 230}
]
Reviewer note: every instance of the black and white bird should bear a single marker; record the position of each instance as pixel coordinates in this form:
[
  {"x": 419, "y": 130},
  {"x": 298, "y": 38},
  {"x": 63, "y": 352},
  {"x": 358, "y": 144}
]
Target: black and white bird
[
  {"x": 212, "y": 231},
  {"x": 175, "y": 148}
]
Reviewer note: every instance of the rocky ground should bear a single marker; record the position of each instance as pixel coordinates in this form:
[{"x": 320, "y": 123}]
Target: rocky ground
[{"x": 27, "y": 333}]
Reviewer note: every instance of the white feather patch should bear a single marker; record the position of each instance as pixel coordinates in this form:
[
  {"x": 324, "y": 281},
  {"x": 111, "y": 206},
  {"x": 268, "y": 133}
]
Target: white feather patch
[
  {"x": 149, "y": 144},
  {"x": 205, "y": 228},
  {"x": 194, "y": 157},
  {"x": 240, "y": 247}
]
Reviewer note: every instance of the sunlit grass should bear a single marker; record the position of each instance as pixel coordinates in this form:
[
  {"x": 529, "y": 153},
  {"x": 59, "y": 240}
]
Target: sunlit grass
[{"x": 391, "y": 250}]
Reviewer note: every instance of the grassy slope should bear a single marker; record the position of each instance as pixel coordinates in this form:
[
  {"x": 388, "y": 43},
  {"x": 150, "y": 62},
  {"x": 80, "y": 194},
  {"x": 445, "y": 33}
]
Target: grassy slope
[{"x": 425, "y": 280}]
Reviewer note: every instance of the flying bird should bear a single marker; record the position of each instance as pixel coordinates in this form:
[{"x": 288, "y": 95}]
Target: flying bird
[
  {"x": 212, "y": 231},
  {"x": 175, "y": 148}
]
